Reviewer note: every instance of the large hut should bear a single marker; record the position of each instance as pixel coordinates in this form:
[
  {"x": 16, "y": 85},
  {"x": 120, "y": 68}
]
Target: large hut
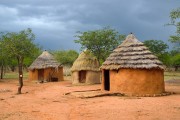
[
  {"x": 85, "y": 69},
  {"x": 45, "y": 68},
  {"x": 132, "y": 69}
]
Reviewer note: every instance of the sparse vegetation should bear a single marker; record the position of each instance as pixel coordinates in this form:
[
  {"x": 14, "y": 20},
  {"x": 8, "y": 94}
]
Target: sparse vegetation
[
  {"x": 171, "y": 76},
  {"x": 14, "y": 75}
]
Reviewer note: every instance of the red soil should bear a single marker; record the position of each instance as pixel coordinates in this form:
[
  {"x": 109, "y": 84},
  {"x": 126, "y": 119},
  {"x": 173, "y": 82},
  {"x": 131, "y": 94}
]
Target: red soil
[{"x": 47, "y": 102}]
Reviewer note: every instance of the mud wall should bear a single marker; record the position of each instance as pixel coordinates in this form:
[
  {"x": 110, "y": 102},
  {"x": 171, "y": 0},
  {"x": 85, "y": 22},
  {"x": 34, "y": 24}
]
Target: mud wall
[
  {"x": 136, "y": 81},
  {"x": 59, "y": 74},
  {"x": 56, "y": 73},
  {"x": 47, "y": 73},
  {"x": 33, "y": 75},
  {"x": 92, "y": 77},
  {"x": 75, "y": 77}
]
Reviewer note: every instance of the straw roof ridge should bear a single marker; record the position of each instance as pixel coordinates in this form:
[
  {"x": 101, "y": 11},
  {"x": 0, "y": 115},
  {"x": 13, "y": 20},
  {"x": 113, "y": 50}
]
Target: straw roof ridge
[
  {"x": 85, "y": 61},
  {"x": 132, "y": 54},
  {"x": 45, "y": 60}
]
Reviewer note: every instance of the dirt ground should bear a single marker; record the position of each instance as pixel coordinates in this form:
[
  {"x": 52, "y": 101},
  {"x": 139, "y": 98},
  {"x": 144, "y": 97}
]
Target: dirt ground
[{"x": 48, "y": 101}]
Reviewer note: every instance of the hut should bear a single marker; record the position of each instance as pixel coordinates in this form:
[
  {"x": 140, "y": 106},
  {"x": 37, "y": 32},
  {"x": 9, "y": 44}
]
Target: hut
[
  {"x": 45, "y": 68},
  {"x": 132, "y": 69},
  {"x": 85, "y": 69}
]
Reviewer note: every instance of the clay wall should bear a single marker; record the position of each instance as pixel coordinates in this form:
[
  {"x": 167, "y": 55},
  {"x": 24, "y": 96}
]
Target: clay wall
[
  {"x": 33, "y": 75},
  {"x": 75, "y": 77},
  {"x": 58, "y": 73},
  {"x": 92, "y": 77},
  {"x": 136, "y": 81}
]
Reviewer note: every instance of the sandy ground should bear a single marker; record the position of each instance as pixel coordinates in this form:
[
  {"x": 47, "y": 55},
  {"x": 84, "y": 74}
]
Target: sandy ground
[{"x": 48, "y": 101}]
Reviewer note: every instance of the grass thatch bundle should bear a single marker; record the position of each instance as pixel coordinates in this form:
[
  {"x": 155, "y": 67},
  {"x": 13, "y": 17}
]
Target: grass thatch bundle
[
  {"x": 131, "y": 54},
  {"x": 85, "y": 61},
  {"x": 45, "y": 60}
]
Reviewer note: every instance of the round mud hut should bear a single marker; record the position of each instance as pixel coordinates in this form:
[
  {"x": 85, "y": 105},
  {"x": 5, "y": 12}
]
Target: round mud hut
[
  {"x": 46, "y": 68},
  {"x": 132, "y": 69},
  {"x": 85, "y": 69}
]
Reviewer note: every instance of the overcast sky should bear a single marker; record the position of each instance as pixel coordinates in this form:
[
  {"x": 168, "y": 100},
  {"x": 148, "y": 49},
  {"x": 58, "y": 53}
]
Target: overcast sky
[{"x": 55, "y": 22}]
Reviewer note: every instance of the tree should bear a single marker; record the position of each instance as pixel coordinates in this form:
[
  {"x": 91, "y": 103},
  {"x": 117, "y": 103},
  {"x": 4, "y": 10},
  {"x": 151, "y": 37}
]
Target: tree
[
  {"x": 20, "y": 45},
  {"x": 158, "y": 47},
  {"x": 100, "y": 42},
  {"x": 175, "y": 59},
  {"x": 3, "y": 57},
  {"x": 166, "y": 59},
  {"x": 175, "y": 21},
  {"x": 66, "y": 57}
]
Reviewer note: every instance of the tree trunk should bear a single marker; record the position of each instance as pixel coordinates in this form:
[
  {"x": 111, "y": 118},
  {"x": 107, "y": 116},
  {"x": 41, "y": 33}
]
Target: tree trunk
[
  {"x": 20, "y": 66},
  {"x": 2, "y": 70},
  {"x": 12, "y": 68}
]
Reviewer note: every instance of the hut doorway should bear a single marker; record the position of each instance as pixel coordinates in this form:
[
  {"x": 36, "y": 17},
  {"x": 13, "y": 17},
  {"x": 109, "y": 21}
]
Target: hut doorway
[
  {"x": 106, "y": 80},
  {"x": 41, "y": 74},
  {"x": 82, "y": 76}
]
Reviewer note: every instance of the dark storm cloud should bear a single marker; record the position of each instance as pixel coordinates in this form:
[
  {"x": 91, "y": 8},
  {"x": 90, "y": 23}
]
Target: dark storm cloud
[{"x": 55, "y": 22}]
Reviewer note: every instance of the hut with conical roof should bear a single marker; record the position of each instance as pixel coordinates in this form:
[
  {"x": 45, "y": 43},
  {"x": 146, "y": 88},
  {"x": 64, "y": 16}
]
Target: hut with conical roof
[
  {"x": 46, "y": 68},
  {"x": 132, "y": 69},
  {"x": 85, "y": 69}
]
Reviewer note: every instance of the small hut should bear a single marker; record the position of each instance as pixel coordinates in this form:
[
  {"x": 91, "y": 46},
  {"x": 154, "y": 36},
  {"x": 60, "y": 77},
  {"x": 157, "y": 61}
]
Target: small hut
[
  {"x": 85, "y": 69},
  {"x": 132, "y": 69},
  {"x": 45, "y": 68}
]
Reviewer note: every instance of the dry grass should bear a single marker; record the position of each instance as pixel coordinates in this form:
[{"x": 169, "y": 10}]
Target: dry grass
[
  {"x": 172, "y": 75},
  {"x": 45, "y": 60},
  {"x": 15, "y": 75},
  {"x": 85, "y": 61},
  {"x": 66, "y": 70}
]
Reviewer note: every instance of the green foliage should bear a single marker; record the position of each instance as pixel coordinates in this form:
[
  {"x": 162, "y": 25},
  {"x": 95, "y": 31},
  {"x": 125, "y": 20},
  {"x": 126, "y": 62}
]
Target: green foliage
[
  {"x": 20, "y": 44},
  {"x": 3, "y": 56},
  {"x": 66, "y": 57},
  {"x": 101, "y": 42},
  {"x": 170, "y": 59},
  {"x": 157, "y": 47},
  {"x": 175, "y": 21},
  {"x": 12, "y": 63},
  {"x": 175, "y": 15},
  {"x": 176, "y": 60},
  {"x": 2, "y": 52},
  {"x": 165, "y": 58}
]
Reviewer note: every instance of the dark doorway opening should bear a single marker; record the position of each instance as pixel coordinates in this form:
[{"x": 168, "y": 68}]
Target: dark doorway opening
[
  {"x": 82, "y": 76},
  {"x": 41, "y": 74},
  {"x": 106, "y": 80},
  {"x": 53, "y": 79}
]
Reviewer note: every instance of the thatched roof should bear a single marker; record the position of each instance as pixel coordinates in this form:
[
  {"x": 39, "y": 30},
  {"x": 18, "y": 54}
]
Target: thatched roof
[
  {"x": 85, "y": 61},
  {"x": 45, "y": 60},
  {"x": 131, "y": 54}
]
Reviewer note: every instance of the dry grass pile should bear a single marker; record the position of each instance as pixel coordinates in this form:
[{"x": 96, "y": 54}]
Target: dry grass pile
[
  {"x": 45, "y": 60},
  {"x": 85, "y": 61}
]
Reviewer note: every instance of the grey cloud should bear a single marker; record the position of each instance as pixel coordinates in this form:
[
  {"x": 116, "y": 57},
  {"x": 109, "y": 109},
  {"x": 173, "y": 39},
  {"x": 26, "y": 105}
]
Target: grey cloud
[{"x": 55, "y": 22}]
